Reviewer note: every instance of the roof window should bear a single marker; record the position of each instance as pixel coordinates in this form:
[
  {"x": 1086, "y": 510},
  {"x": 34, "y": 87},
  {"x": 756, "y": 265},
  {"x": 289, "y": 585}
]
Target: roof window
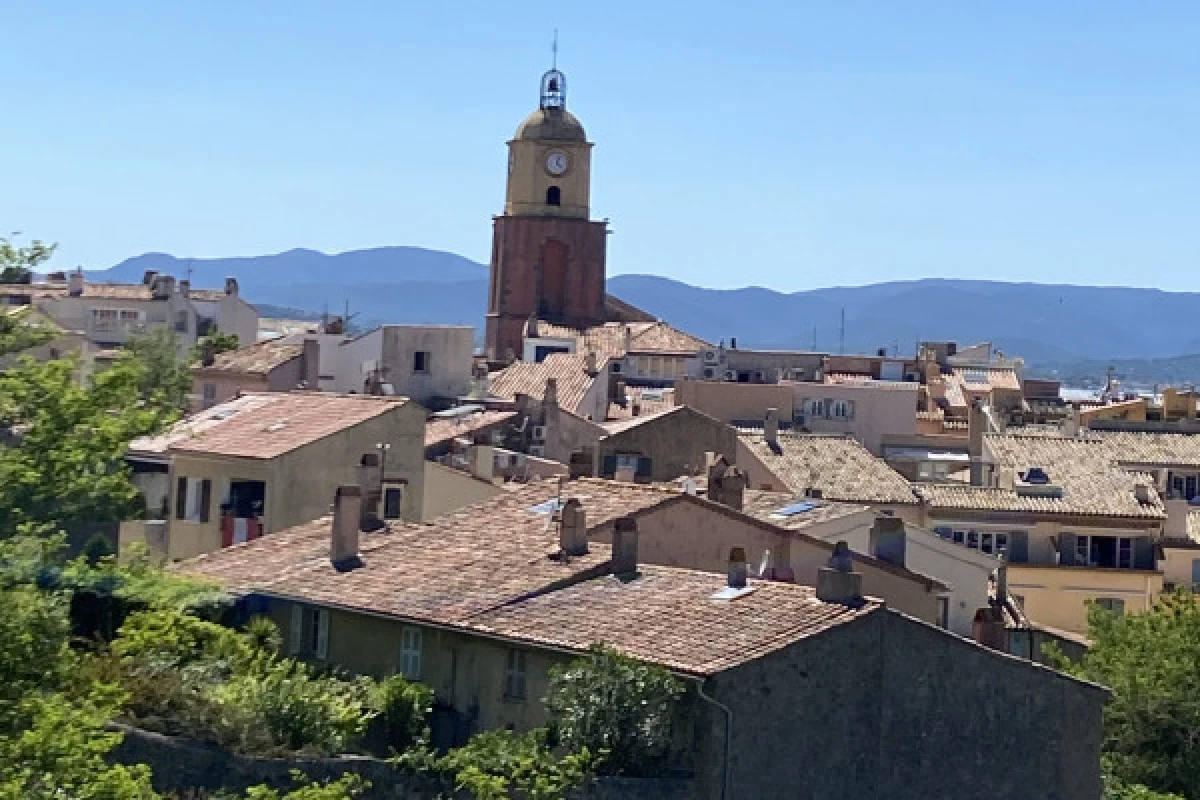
[{"x": 793, "y": 510}]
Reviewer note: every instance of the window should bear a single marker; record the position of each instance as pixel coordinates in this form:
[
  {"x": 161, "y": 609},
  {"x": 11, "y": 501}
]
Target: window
[
  {"x": 210, "y": 395},
  {"x": 1083, "y": 550},
  {"x": 319, "y": 633},
  {"x": 943, "y": 612},
  {"x": 421, "y": 361},
  {"x": 392, "y": 498},
  {"x": 1113, "y": 604},
  {"x": 973, "y": 540},
  {"x": 1125, "y": 552},
  {"x": 553, "y": 196},
  {"x": 192, "y": 499},
  {"x": 308, "y": 633},
  {"x": 514, "y": 675},
  {"x": 181, "y": 489},
  {"x": 626, "y": 461},
  {"x": 985, "y": 542},
  {"x": 181, "y": 321},
  {"x": 842, "y": 409},
  {"x": 410, "y": 653}
]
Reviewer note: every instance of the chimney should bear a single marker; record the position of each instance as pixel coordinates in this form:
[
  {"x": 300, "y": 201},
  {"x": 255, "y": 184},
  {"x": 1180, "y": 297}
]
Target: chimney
[
  {"x": 888, "y": 539},
  {"x": 163, "y": 287},
  {"x": 231, "y": 287},
  {"x": 977, "y": 426},
  {"x": 185, "y": 287},
  {"x": 1177, "y": 518},
  {"x": 838, "y": 582},
  {"x": 589, "y": 363},
  {"x": 733, "y": 343},
  {"x": 635, "y": 409},
  {"x": 550, "y": 398},
  {"x": 726, "y": 484},
  {"x": 1143, "y": 493},
  {"x": 737, "y": 568},
  {"x": 75, "y": 283},
  {"x": 482, "y": 458},
  {"x": 988, "y": 628},
  {"x": 310, "y": 359},
  {"x": 572, "y": 532},
  {"x": 625, "y": 546},
  {"x": 208, "y": 353},
  {"x": 148, "y": 277},
  {"x": 628, "y": 339},
  {"x": 347, "y": 516},
  {"x": 771, "y": 428},
  {"x": 1002, "y": 585}
]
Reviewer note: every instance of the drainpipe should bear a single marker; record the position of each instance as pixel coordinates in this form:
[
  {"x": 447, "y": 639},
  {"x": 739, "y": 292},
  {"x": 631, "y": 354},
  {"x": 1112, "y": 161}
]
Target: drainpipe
[{"x": 728, "y": 732}]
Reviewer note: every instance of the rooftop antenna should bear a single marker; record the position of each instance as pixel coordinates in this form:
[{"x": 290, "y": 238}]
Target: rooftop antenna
[{"x": 554, "y": 51}]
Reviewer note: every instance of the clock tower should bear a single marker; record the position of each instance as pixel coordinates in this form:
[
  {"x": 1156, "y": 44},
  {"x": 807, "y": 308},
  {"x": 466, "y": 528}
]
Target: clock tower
[{"x": 547, "y": 255}]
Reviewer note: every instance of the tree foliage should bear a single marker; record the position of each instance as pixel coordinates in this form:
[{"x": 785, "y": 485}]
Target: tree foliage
[
  {"x": 617, "y": 707},
  {"x": 18, "y": 263},
  {"x": 216, "y": 342},
  {"x": 497, "y": 765},
  {"x": 1151, "y": 662},
  {"x": 165, "y": 379},
  {"x": 17, "y": 335}
]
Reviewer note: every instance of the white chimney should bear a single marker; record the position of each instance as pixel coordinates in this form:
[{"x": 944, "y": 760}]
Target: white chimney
[
  {"x": 347, "y": 517},
  {"x": 482, "y": 458}
]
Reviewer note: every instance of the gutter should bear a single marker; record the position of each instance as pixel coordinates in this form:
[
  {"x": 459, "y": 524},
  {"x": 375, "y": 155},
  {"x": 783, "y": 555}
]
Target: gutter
[{"x": 725, "y": 795}]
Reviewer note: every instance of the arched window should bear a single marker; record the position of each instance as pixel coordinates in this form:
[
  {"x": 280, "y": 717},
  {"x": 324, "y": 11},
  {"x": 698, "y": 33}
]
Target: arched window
[{"x": 553, "y": 196}]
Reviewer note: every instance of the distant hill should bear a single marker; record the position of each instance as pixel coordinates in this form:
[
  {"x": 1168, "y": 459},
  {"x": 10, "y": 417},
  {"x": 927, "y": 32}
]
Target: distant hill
[{"x": 1053, "y": 325}]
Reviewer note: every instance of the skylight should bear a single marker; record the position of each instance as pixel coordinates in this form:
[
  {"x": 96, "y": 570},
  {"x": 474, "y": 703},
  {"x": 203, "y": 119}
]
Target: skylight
[
  {"x": 548, "y": 507},
  {"x": 793, "y": 510}
]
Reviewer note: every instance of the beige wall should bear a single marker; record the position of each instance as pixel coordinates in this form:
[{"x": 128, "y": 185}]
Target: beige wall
[
  {"x": 448, "y": 489},
  {"x": 1057, "y": 596},
  {"x": 226, "y": 386},
  {"x": 1177, "y": 569},
  {"x": 528, "y": 179},
  {"x": 735, "y": 401},
  {"x": 878, "y": 412}
]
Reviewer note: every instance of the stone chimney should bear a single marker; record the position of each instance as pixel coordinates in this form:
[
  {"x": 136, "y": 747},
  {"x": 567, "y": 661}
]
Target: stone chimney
[
  {"x": 75, "y": 283},
  {"x": 163, "y": 287},
  {"x": 310, "y": 359},
  {"x": 185, "y": 287},
  {"x": 625, "y": 546},
  {"x": 1177, "y": 517},
  {"x": 737, "y": 568},
  {"x": 347, "y": 517},
  {"x": 726, "y": 484},
  {"x": 1002, "y": 585},
  {"x": 148, "y": 277},
  {"x": 771, "y": 428},
  {"x": 977, "y": 426},
  {"x": 888, "y": 539},
  {"x": 231, "y": 287},
  {"x": 572, "y": 532},
  {"x": 482, "y": 460},
  {"x": 838, "y": 582},
  {"x": 988, "y": 628},
  {"x": 550, "y": 398},
  {"x": 208, "y": 353},
  {"x": 589, "y": 363},
  {"x": 628, "y": 339}
]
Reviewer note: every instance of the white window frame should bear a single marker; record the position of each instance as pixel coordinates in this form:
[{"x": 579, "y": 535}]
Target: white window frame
[
  {"x": 411, "y": 641},
  {"x": 319, "y": 633},
  {"x": 515, "y": 675},
  {"x": 192, "y": 508}
]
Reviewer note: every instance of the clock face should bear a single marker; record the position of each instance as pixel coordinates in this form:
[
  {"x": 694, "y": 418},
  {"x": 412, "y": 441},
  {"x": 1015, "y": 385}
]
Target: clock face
[{"x": 556, "y": 162}]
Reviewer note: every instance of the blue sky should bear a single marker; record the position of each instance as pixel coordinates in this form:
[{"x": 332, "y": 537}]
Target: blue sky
[{"x": 784, "y": 144}]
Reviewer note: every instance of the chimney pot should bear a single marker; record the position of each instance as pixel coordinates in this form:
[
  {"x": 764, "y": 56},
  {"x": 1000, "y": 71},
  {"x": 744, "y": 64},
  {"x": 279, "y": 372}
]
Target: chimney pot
[
  {"x": 737, "y": 568},
  {"x": 148, "y": 277},
  {"x": 573, "y": 529},
  {"x": 347, "y": 519},
  {"x": 625, "y": 546},
  {"x": 590, "y": 362},
  {"x": 231, "y": 286},
  {"x": 836, "y": 586},
  {"x": 75, "y": 283}
]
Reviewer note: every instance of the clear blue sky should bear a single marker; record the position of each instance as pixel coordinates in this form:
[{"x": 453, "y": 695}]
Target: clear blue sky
[{"x": 790, "y": 145}]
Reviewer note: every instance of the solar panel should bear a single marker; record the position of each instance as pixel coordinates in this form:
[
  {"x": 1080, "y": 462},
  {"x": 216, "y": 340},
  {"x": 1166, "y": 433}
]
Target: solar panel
[{"x": 793, "y": 510}]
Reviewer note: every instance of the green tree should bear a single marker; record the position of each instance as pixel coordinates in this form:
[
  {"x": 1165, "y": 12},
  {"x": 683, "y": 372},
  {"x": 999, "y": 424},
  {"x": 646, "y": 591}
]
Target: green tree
[
  {"x": 617, "y": 707},
  {"x": 166, "y": 378},
  {"x": 217, "y": 341},
  {"x": 16, "y": 335},
  {"x": 1151, "y": 662},
  {"x": 18, "y": 263}
]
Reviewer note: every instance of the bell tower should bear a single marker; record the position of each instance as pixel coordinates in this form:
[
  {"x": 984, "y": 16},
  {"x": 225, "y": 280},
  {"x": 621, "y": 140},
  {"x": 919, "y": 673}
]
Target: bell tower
[{"x": 547, "y": 255}]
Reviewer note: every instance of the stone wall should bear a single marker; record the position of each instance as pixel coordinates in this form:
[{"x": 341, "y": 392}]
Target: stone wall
[{"x": 180, "y": 764}]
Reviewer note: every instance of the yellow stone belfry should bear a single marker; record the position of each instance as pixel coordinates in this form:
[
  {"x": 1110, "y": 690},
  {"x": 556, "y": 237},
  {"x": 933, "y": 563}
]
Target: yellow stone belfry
[{"x": 549, "y": 159}]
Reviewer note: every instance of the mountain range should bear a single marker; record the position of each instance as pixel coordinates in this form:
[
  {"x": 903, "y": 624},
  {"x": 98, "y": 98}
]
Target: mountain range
[{"x": 1047, "y": 324}]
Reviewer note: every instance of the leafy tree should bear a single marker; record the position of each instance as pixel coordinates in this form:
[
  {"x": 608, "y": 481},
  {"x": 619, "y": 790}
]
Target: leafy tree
[
  {"x": 616, "y": 707},
  {"x": 497, "y": 765},
  {"x": 18, "y": 263},
  {"x": 402, "y": 708},
  {"x": 1151, "y": 662},
  {"x": 344, "y": 788},
  {"x": 166, "y": 378},
  {"x": 218, "y": 341},
  {"x": 16, "y": 335}
]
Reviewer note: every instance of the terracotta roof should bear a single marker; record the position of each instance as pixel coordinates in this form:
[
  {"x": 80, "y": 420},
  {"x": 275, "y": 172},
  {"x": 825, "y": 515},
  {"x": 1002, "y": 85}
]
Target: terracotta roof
[
  {"x": 525, "y": 377},
  {"x": 255, "y": 359},
  {"x": 668, "y": 616},
  {"x": 208, "y": 295},
  {"x": 442, "y": 429},
  {"x": 837, "y": 465},
  {"x": 985, "y": 378},
  {"x": 867, "y": 382},
  {"x": 609, "y": 339},
  {"x": 1109, "y": 494},
  {"x": 626, "y": 423},
  {"x": 954, "y": 392},
  {"x": 118, "y": 291},
  {"x": 492, "y": 569},
  {"x": 1152, "y": 449},
  {"x": 267, "y": 424},
  {"x": 765, "y": 505},
  {"x": 649, "y": 401}
]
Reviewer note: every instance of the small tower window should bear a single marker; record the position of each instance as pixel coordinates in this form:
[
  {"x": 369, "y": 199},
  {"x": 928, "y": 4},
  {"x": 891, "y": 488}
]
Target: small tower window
[{"x": 553, "y": 196}]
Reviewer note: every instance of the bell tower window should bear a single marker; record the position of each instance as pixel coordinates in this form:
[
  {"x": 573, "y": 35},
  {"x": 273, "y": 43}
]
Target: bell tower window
[{"x": 553, "y": 196}]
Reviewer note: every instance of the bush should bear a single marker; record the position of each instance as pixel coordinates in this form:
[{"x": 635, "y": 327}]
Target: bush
[
  {"x": 616, "y": 707},
  {"x": 402, "y": 710},
  {"x": 497, "y": 765}
]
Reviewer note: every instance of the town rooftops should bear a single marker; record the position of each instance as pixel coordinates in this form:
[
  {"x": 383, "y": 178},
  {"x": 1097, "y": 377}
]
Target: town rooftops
[
  {"x": 616, "y": 339},
  {"x": 255, "y": 359},
  {"x": 265, "y": 424},
  {"x": 643, "y": 400},
  {"x": 1106, "y": 494},
  {"x": 115, "y": 291},
  {"x": 987, "y": 378},
  {"x": 529, "y": 378},
  {"x": 494, "y": 569},
  {"x": 626, "y": 423},
  {"x": 838, "y": 466},
  {"x": 788, "y": 510},
  {"x": 442, "y": 427}
]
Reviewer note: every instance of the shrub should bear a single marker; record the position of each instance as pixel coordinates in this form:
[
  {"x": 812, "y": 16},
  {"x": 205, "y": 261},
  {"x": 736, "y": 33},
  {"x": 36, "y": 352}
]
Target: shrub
[
  {"x": 616, "y": 707},
  {"x": 497, "y": 765},
  {"x": 402, "y": 712}
]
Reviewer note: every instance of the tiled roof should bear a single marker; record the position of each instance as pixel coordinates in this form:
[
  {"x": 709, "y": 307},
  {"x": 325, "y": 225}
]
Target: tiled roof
[
  {"x": 117, "y": 291},
  {"x": 441, "y": 429},
  {"x": 764, "y": 505},
  {"x": 993, "y": 377},
  {"x": 867, "y": 382},
  {"x": 256, "y": 359},
  {"x": 525, "y": 377},
  {"x": 267, "y": 424},
  {"x": 1109, "y": 494},
  {"x": 609, "y": 339},
  {"x": 208, "y": 295},
  {"x": 1153, "y": 449},
  {"x": 492, "y": 568},
  {"x": 837, "y": 465},
  {"x": 668, "y": 616},
  {"x": 626, "y": 423},
  {"x": 649, "y": 401},
  {"x": 954, "y": 392}
]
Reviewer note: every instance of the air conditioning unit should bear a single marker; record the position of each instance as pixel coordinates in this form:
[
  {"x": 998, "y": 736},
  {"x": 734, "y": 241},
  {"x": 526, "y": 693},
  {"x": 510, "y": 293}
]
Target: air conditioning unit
[
  {"x": 537, "y": 451},
  {"x": 539, "y": 433},
  {"x": 710, "y": 356},
  {"x": 731, "y": 375},
  {"x": 710, "y": 373}
]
